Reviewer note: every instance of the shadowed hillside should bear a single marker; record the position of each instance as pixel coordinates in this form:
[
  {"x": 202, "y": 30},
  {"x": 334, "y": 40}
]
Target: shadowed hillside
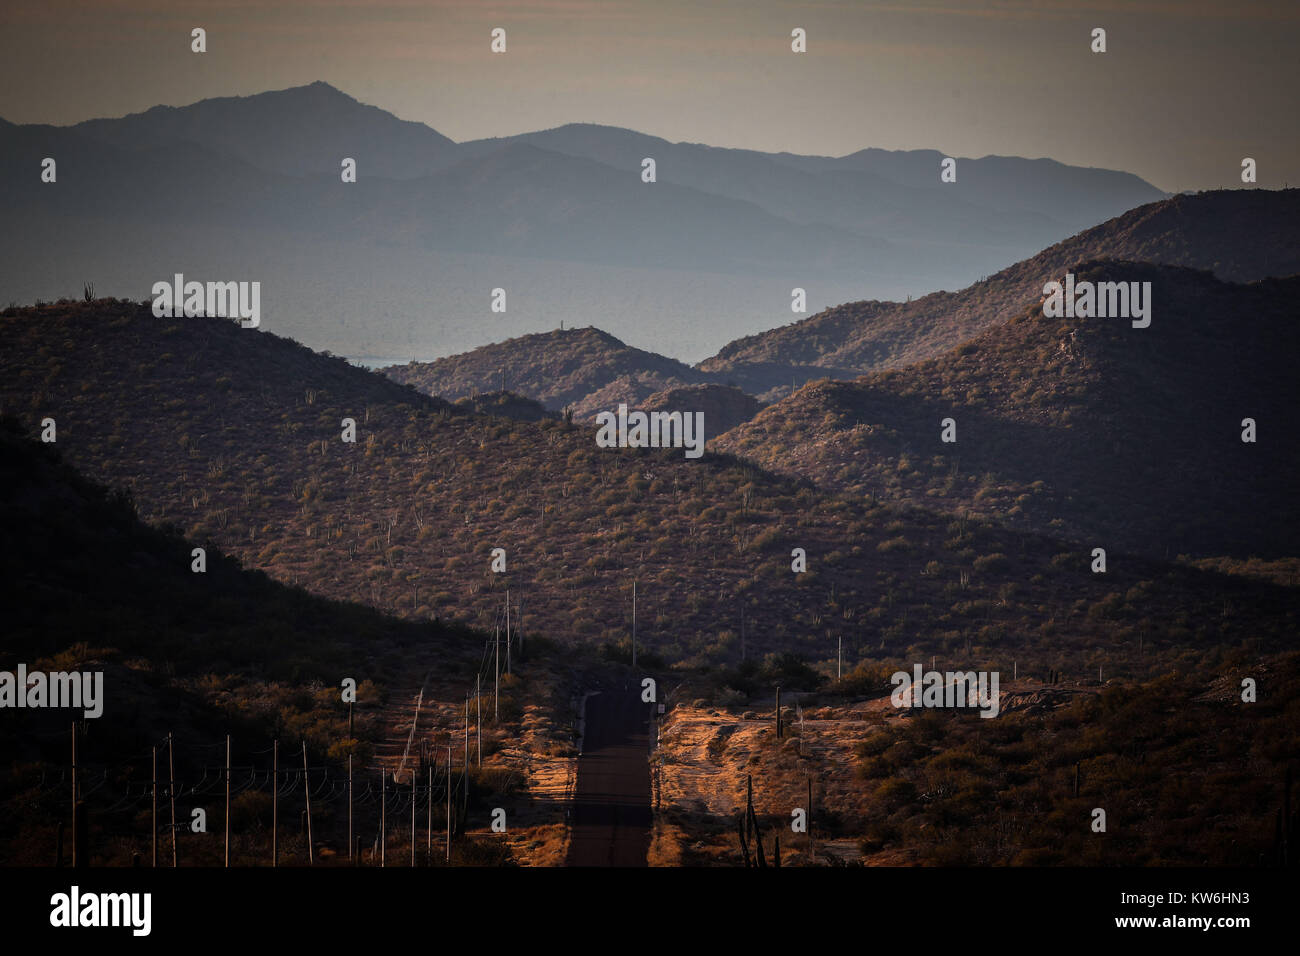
[
  {"x": 88, "y": 587},
  {"x": 724, "y": 408},
  {"x": 1239, "y": 235},
  {"x": 1087, "y": 428},
  {"x": 235, "y": 436}
]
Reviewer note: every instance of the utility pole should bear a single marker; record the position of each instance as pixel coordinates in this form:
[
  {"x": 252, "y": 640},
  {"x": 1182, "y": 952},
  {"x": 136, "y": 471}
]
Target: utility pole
[
  {"x": 155, "y": 806},
  {"x": 76, "y": 849},
  {"x": 496, "y": 689},
  {"x": 275, "y": 803},
  {"x": 429, "y": 826},
  {"x": 507, "y": 630},
  {"x": 383, "y": 817},
  {"x": 415, "y": 779},
  {"x": 742, "y": 633},
  {"x": 839, "y": 659},
  {"x": 351, "y": 850},
  {"x": 465, "y": 797},
  {"x": 634, "y": 623},
  {"x": 449, "y": 801},
  {"x": 478, "y": 723},
  {"x": 227, "y": 801},
  {"x": 171, "y": 790},
  {"x": 306, "y": 789},
  {"x": 810, "y": 818}
]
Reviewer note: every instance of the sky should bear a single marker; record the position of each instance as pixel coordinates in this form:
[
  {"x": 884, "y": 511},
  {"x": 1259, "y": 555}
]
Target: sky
[{"x": 1184, "y": 92}]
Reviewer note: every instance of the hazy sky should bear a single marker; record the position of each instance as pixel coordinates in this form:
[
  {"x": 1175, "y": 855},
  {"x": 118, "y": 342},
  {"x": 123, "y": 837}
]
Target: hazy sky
[{"x": 1186, "y": 90}]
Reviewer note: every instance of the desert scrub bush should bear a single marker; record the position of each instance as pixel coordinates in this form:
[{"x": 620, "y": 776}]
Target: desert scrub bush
[{"x": 992, "y": 562}]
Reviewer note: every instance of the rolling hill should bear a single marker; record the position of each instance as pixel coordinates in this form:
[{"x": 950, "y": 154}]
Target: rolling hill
[
  {"x": 1240, "y": 235},
  {"x": 1085, "y": 428},
  {"x": 559, "y": 368},
  {"x": 236, "y": 437}
]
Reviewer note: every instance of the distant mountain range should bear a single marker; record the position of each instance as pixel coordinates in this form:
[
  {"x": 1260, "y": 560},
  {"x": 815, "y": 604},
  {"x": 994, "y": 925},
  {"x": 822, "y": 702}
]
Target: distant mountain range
[
  {"x": 1237, "y": 235},
  {"x": 251, "y": 186},
  {"x": 1082, "y": 428}
]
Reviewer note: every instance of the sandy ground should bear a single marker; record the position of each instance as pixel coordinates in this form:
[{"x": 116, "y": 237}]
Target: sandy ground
[
  {"x": 707, "y": 755},
  {"x": 535, "y": 753}
]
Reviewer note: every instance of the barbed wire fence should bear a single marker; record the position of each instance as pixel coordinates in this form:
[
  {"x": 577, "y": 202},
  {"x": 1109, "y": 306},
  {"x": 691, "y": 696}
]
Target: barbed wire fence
[{"x": 434, "y": 777}]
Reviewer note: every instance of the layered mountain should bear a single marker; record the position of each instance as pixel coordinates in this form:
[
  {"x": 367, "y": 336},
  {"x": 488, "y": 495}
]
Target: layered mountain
[
  {"x": 872, "y": 192},
  {"x": 1238, "y": 234},
  {"x": 402, "y": 262},
  {"x": 722, "y": 406},
  {"x": 303, "y": 131},
  {"x": 240, "y": 438},
  {"x": 1089, "y": 428},
  {"x": 559, "y": 368}
]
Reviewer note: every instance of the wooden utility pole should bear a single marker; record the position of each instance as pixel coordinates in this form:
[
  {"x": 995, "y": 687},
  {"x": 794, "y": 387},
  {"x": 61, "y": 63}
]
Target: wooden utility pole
[
  {"x": 742, "y": 632},
  {"x": 634, "y": 622},
  {"x": 778, "y": 711},
  {"x": 429, "y": 827},
  {"x": 507, "y": 630},
  {"x": 383, "y": 817},
  {"x": 839, "y": 659},
  {"x": 171, "y": 790},
  {"x": 810, "y": 819},
  {"x": 350, "y": 838},
  {"x": 415, "y": 779},
  {"x": 478, "y": 722},
  {"x": 227, "y": 801},
  {"x": 275, "y": 804},
  {"x": 449, "y": 801},
  {"x": 155, "y": 806},
  {"x": 306, "y": 790},
  {"x": 77, "y": 849},
  {"x": 496, "y": 687}
]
